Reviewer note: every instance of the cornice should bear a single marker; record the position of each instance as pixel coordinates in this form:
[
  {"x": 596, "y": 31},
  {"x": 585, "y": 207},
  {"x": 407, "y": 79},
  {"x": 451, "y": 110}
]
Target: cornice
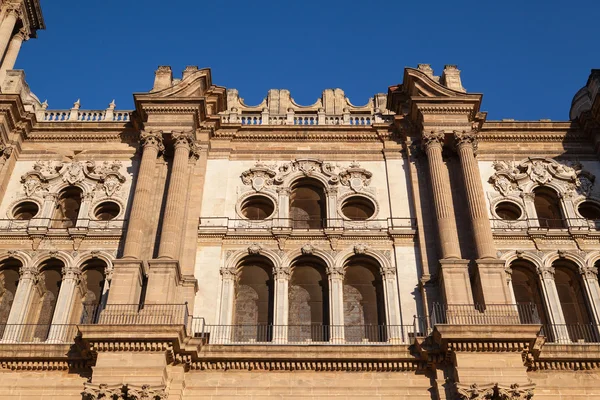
[
  {"x": 329, "y": 133},
  {"x": 83, "y": 132},
  {"x": 320, "y": 366}
]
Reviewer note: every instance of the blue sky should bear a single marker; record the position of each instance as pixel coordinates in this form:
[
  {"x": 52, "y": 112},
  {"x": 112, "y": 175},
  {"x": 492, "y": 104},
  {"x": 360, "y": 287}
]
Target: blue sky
[{"x": 527, "y": 57}]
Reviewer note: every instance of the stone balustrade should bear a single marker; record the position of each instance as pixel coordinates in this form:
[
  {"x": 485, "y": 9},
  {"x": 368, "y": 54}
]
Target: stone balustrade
[
  {"x": 333, "y": 108},
  {"x": 75, "y": 114}
]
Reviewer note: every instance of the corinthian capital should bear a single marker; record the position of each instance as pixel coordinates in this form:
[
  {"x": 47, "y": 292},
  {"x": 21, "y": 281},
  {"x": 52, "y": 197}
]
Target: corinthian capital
[
  {"x": 183, "y": 139},
  {"x": 28, "y": 273},
  {"x": 13, "y": 9},
  {"x": 5, "y": 151},
  {"x": 152, "y": 139},
  {"x": 71, "y": 273},
  {"x": 465, "y": 138},
  {"x": 432, "y": 138}
]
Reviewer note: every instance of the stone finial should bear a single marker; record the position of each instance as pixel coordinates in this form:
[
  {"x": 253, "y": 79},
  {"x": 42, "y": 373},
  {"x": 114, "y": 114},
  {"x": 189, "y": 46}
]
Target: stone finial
[
  {"x": 451, "y": 78},
  {"x": 163, "y": 78},
  {"x": 189, "y": 70},
  {"x": 45, "y": 105},
  {"x": 426, "y": 69},
  {"x": 112, "y": 105},
  {"x": 77, "y": 105}
]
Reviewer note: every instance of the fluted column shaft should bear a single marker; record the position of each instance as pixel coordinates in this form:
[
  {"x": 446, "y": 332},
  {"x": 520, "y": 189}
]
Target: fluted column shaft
[
  {"x": 18, "y": 311},
  {"x": 71, "y": 277},
  {"x": 482, "y": 231},
  {"x": 170, "y": 237},
  {"x": 10, "y": 58},
  {"x": 8, "y": 25},
  {"x": 144, "y": 189},
  {"x": 442, "y": 197}
]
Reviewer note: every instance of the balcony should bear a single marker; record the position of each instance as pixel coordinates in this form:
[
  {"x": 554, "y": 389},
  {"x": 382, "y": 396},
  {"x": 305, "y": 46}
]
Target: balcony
[
  {"x": 534, "y": 225},
  {"x": 308, "y": 334},
  {"x": 490, "y": 314},
  {"x": 62, "y": 227},
  {"x": 38, "y": 333},
  {"x": 571, "y": 334},
  {"x": 226, "y": 225}
]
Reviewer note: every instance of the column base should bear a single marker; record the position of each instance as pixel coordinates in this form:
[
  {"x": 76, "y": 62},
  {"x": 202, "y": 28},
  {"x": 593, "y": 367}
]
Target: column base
[
  {"x": 456, "y": 282},
  {"x": 126, "y": 282},
  {"x": 494, "y": 281},
  {"x": 164, "y": 277}
]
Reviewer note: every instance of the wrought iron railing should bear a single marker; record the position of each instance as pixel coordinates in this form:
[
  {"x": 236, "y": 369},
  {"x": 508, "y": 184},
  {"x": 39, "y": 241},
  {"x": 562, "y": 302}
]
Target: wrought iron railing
[
  {"x": 36, "y": 333},
  {"x": 146, "y": 314},
  {"x": 303, "y": 334},
  {"x": 523, "y": 224},
  {"x": 208, "y": 223},
  {"x": 58, "y": 225},
  {"x": 479, "y": 314},
  {"x": 568, "y": 334}
]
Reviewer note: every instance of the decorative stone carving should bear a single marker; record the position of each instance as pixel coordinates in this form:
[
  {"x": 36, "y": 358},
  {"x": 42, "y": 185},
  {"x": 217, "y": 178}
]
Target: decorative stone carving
[
  {"x": 102, "y": 391},
  {"x": 153, "y": 139},
  {"x": 5, "y": 152},
  {"x": 228, "y": 272},
  {"x": 184, "y": 139},
  {"x": 307, "y": 249},
  {"x": 146, "y": 392},
  {"x": 336, "y": 272},
  {"x": 432, "y": 138},
  {"x": 475, "y": 392},
  {"x": 263, "y": 175},
  {"x": 71, "y": 273},
  {"x": 254, "y": 248},
  {"x": 589, "y": 272},
  {"x": 105, "y": 176},
  {"x": 511, "y": 177},
  {"x": 495, "y": 391},
  {"x": 360, "y": 248},
  {"x": 546, "y": 272},
  {"x": 466, "y": 138},
  {"x": 258, "y": 177},
  {"x": 282, "y": 272},
  {"x": 355, "y": 177},
  {"x": 388, "y": 271}
]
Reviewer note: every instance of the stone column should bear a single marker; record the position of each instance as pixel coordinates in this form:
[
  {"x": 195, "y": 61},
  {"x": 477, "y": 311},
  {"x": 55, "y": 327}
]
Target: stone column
[
  {"x": 137, "y": 228},
  {"x": 332, "y": 219},
  {"x": 454, "y": 271},
  {"x": 336, "y": 305},
  {"x": 395, "y": 330},
  {"x": 128, "y": 272},
  {"x": 71, "y": 277},
  {"x": 442, "y": 197},
  {"x": 18, "y": 312},
  {"x": 482, "y": 231},
  {"x": 170, "y": 237},
  {"x": 12, "y": 14},
  {"x": 223, "y": 333},
  {"x": 492, "y": 275},
  {"x": 10, "y": 58},
  {"x": 283, "y": 208},
  {"x": 555, "y": 313},
  {"x": 281, "y": 317},
  {"x": 592, "y": 289}
]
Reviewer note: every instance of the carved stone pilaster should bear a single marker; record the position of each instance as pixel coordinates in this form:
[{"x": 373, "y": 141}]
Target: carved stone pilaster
[
  {"x": 282, "y": 272},
  {"x": 336, "y": 272},
  {"x": 388, "y": 272},
  {"x": 152, "y": 139},
  {"x": 26, "y": 272},
  {"x": 71, "y": 273}
]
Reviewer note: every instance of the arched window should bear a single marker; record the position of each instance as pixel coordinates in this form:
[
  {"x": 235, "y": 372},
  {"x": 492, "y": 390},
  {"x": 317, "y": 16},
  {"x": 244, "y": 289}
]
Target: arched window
[
  {"x": 44, "y": 301},
  {"x": 94, "y": 279},
  {"x": 547, "y": 208},
  {"x": 527, "y": 290},
  {"x": 308, "y": 301},
  {"x": 9, "y": 279},
  {"x": 571, "y": 294},
  {"x": 67, "y": 207},
  {"x": 364, "y": 306},
  {"x": 307, "y": 204},
  {"x": 254, "y": 300}
]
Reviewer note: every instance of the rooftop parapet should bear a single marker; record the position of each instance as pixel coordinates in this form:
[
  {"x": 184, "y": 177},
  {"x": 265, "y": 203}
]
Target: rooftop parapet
[
  {"x": 76, "y": 114},
  {"x": 279, "y": 108}
]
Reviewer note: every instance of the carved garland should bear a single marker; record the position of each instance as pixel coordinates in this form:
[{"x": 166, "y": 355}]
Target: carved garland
[
  {"x": 105, "y": 176},
  {"x": 263, "y": 175},
  {"x": 512, "y": 178}
]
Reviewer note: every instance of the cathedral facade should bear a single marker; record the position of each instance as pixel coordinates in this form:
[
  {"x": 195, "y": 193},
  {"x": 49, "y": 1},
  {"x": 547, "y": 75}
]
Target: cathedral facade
[{"x": 197, "y": 247}]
